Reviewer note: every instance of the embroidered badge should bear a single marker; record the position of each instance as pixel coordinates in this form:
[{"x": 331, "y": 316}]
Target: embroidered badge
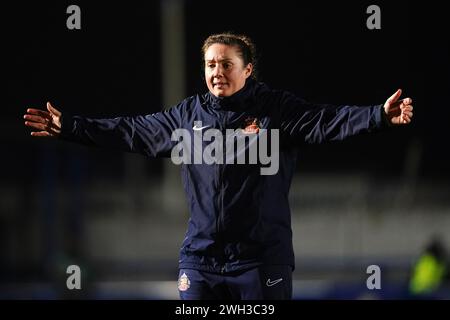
[
  {"x": 183, "y": 282},
  {"x": 250, "y": 125}
]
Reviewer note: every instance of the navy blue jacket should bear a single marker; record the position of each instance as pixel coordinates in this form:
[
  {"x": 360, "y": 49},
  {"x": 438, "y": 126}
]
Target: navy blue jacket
[{"x": 238, "y": 218}]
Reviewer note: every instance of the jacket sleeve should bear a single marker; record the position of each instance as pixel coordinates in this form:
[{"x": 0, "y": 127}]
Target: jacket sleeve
[
  {"x": 147, "y": 134},
  {"x": 301, "y": 121}
]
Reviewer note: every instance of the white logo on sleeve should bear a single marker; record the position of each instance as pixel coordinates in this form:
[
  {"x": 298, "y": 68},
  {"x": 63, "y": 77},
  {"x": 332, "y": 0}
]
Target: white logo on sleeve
[{"x": 274, "y": 282}]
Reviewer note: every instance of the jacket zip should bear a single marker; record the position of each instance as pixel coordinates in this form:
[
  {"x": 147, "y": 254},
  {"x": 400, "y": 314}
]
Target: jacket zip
[
  {"x": 219, "y": 222},
  {"x": 219, "y": 202}
]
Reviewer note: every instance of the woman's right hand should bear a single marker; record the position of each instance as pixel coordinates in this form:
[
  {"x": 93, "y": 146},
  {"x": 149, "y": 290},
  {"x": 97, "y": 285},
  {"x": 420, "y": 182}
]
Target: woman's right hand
[{"x": 47, "y": 122}]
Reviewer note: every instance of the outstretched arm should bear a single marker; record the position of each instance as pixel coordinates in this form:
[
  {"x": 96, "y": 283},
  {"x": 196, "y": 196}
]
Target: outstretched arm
[
  {"x": 149, "y": 134},
  {"x": 305, "y": 122}
]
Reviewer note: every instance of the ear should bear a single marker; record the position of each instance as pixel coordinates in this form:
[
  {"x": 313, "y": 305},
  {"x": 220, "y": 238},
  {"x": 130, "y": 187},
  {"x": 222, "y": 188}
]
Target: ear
[{"x": 248, "y": 70}]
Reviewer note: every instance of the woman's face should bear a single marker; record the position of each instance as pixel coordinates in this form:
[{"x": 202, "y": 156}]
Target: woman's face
[{"x": 225, "y": 72}]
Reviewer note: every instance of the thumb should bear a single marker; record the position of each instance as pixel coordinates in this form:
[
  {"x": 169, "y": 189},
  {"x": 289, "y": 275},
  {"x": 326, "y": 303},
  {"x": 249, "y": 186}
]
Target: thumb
[
  {"x": 395, "y": 96},
  {"x": 53, "y": 110}
]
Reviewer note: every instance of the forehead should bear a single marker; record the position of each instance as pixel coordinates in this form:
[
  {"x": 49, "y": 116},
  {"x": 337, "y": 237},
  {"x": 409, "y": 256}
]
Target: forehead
[{"x": 219, "y": 51}]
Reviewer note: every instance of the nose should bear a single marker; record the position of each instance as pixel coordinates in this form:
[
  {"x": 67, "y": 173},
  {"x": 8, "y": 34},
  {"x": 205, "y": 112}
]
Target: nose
[{"x": 217, "y": 71}]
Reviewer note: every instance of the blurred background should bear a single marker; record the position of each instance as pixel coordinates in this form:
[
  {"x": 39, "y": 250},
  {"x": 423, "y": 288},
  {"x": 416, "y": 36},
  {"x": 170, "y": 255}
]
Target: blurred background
[{"x": 381, "y": 199}]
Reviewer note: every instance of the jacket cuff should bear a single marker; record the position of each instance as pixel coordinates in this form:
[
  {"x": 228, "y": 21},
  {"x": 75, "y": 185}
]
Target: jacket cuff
[
  {"x": 385, "y": 120},
  {"x": 66, "y": 126},
  {"x": 381, "y": 119}
]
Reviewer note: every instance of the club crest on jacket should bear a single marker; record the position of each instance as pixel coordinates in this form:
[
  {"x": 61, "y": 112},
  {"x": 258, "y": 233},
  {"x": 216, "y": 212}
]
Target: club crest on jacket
[
  {"x": 183, "y": 282},
  {"x": 250, "y": 125}
]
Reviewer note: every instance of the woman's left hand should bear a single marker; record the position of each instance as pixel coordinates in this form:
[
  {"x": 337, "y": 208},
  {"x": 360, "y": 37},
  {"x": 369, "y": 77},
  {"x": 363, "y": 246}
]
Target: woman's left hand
[{"x": 398, "y": 111}]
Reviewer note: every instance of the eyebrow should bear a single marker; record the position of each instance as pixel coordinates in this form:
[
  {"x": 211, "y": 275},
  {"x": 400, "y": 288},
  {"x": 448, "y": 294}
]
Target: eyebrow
[{"x": 221, "y": 60}]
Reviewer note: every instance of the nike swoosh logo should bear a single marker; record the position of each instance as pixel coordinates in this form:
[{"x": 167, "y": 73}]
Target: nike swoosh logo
[
  {"x": 199, "y": 128},
  {"x": 274, "y": 282}
]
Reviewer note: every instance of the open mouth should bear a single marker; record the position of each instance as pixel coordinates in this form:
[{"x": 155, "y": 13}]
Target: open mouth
[{"x": 219, "y": 85}]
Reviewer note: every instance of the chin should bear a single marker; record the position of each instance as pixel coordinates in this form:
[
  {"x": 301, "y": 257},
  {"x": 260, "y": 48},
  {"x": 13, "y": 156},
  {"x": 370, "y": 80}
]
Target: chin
[{"x": 221, "y": 93}]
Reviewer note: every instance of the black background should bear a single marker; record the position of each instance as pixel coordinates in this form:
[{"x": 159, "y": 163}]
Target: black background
[{"x": 320, "y": 50}]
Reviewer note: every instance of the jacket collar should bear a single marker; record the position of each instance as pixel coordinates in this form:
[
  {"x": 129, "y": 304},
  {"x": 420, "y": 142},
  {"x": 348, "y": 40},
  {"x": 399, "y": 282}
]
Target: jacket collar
[{"x": 236, "y": 101}]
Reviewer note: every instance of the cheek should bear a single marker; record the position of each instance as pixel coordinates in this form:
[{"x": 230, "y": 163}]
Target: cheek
[
  {"x": 240, "y": 77},
  {"x": 208, "y": 77}
]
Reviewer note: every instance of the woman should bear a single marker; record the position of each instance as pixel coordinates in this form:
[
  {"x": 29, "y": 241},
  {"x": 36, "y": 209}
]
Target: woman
[{"x": 238, "y": 243}]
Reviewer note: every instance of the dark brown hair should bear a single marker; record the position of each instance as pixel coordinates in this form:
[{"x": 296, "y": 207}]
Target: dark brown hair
[{"x": 244, "y": 44}]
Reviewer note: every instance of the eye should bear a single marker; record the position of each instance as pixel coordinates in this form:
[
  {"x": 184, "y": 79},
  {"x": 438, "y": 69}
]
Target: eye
[
  {"x": 211, "y": 65},
  {"x": 226, "y": 65}
]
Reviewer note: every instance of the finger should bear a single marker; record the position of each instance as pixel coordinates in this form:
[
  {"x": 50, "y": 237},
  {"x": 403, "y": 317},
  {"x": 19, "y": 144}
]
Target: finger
[
  {"x": 49, "y": 127},
  {"x": 40, "y": 134},
  {"x": 405, "y": 119},
  {"x": 407, "y": 113},
  {"x": 407, "y": 108},
  {"x": 38, "y": 112},
  {"x": 38, "y": 119},
  {"x": 36, "y": 125},
  {"x": 395, "y": 96},
  {"x": 407, "y": 101},
  {"x": 53, "y": 110}
]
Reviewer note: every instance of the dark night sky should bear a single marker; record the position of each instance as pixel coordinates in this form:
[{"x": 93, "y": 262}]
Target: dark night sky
[{"x": 320, "y": 50}]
